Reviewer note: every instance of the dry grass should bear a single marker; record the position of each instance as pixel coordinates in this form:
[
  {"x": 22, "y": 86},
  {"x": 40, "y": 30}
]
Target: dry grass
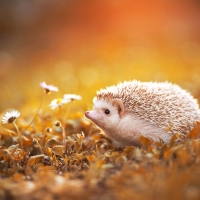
[{"x": 87, "y": 165}]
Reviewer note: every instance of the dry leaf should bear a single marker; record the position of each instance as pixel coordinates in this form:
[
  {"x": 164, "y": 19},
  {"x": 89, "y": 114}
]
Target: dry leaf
[
  {"x": 35, "y": 159},
  {"x": 100, "y": 163},
  {"x": 128, "y": 150},
  {"x": 195, "y": 132},
  {"x": 91, "y": 158},
  {"x": 172, "y": 140},
  {"x": 145, "y": 141},
  {"x": 48, "y": 151},
  {"x": 59, "y": 150}
]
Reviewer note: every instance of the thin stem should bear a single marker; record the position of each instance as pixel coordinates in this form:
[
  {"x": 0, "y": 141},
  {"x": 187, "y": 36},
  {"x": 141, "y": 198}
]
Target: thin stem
[
  {"x": 97, "y": 150},
  {"x": 19, "y": 134},
  {"x": 80, "y": 146},
  {"x": 63, "y": 135},
  {"x": 88, "y": 136},
  {"x": 37, "y": 111},
  {"x": 59, "y": 111},
  {"x": 47, "y": 130},
  {"x": 69, "y": 109},
  {"x": 34, "y": 139},
  {"x": 43, "y": 139}
]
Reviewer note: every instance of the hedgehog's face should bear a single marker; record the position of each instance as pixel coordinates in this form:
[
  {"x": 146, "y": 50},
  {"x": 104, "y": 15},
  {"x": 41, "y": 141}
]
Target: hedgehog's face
[{"x": 106, "y": 114}]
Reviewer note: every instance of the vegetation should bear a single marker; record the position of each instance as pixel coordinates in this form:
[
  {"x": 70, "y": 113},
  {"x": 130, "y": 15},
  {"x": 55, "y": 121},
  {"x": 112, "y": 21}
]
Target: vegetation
[{"x": 53, "y": 157}]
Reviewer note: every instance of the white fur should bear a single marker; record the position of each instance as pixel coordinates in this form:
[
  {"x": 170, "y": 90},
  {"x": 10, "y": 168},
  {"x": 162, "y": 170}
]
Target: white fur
[
  {"x": 123, "y": 129},
  {"x": 163, "y": 105}
]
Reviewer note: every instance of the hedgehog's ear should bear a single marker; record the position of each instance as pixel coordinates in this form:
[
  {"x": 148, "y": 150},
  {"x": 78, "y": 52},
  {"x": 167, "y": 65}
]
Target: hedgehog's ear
[{"x": 120, "y": 106}]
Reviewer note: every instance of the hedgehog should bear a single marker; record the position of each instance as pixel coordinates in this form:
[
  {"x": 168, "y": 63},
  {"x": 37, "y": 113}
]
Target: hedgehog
[{"x": 156, "y": 110}]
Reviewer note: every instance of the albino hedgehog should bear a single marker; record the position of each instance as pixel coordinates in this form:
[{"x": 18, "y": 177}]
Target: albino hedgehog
[{"x": 156, "y": 110}]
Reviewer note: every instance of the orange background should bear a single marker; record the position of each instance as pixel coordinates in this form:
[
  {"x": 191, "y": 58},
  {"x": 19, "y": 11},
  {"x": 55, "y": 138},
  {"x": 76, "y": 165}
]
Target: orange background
[{"x": 83, "y": 45}]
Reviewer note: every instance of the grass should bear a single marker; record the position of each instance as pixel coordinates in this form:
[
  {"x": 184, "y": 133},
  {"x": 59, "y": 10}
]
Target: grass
[{"x": 71, "y": 159}]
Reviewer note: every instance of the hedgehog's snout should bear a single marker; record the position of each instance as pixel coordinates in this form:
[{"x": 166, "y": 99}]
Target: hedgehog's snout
[{"x": 87, "y": 114}]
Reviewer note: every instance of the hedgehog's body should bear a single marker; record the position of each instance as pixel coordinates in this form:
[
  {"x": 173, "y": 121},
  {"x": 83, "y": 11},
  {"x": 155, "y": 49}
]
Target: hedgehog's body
[{"x": 130, "y": 109}]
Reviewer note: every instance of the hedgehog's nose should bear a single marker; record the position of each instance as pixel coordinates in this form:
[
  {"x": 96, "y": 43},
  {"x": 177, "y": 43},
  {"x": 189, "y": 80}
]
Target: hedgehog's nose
[{"x": 87, "y": 113}]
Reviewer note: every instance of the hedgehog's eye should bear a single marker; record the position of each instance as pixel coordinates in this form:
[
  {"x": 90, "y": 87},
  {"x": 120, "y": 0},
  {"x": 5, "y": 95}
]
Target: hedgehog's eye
[{"x": 107, "y": 111}]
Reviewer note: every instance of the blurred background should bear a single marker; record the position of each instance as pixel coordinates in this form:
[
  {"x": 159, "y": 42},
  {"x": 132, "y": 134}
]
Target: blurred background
[{"x": 84, "y": 45}]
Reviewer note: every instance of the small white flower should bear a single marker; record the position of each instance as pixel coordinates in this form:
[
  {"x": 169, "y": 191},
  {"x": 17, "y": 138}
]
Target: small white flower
[
  {"x": 48, "y": 88},
  {"x": 58, "y": 103},
  {"x": 72, "y": 97},
  {"x": 10, "y": 117}
]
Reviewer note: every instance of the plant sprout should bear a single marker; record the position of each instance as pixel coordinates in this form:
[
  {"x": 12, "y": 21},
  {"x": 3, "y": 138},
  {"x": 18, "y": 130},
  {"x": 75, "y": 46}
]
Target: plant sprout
[{"x": 58, "y": 124}]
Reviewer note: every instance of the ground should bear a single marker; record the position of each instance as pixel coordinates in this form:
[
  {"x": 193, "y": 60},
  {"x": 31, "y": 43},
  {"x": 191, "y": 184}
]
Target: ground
[{"x": 86, "y": 165}]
